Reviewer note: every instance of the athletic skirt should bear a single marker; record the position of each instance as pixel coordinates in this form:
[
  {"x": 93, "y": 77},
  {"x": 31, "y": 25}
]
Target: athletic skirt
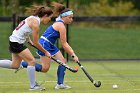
[
  {"x": 52, "y": 49},
  {"x": 15, "y": 47}
]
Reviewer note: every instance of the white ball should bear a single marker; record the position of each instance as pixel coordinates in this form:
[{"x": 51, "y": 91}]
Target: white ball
[{"x": 115, "y": 86}]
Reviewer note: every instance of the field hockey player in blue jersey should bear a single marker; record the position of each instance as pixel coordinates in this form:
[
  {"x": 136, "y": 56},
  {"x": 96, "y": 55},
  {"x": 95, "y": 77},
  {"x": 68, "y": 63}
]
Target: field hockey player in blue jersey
[{"x": 47, "y": 40}]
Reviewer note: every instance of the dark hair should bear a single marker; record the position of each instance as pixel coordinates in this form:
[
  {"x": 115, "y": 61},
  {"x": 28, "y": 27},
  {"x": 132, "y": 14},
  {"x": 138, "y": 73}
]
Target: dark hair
[
  {"x": 40, "y": 11},
  {"x": 59, "y": 8}
]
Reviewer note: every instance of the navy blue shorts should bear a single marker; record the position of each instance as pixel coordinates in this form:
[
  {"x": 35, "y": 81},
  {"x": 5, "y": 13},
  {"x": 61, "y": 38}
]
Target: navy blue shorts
[{"x": 52, "y": 49}]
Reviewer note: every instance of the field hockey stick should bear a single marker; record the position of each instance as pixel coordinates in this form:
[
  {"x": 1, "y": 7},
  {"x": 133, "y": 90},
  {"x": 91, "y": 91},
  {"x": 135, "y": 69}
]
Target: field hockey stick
[
  {"x": 58, "y": 61},
  {"x": 96, "y": 83}
]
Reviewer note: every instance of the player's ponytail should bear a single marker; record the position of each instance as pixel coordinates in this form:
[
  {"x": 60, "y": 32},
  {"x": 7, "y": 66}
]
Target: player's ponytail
[
  {"x": 59, "y": 8},
  {"x": 40, "y": 11}
]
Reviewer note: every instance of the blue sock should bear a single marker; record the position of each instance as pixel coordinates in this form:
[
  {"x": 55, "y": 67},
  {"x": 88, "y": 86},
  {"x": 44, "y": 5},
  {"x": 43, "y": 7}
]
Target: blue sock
[
  {"x": 38, "y": 67},
  {"x": 60, "y": 74},
  {"x": 24, "y": 64}
]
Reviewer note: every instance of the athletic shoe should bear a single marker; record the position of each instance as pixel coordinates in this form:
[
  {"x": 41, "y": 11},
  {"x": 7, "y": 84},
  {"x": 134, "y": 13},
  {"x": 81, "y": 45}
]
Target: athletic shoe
[
  {"x": 37, "y": 87},
  {"x": 21, "y": 67},
  {"x": 62, "y": 86}
]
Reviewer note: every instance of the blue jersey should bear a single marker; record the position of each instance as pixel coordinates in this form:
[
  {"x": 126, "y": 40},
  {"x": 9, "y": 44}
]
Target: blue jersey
[
  {"x": 48, "y": 40},
  {"x": 51, "y": 35}
]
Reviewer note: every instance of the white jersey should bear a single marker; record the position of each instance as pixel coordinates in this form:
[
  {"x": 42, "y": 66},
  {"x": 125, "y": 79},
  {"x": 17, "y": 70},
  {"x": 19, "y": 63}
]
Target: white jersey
[{"x": 22, "y": 32}]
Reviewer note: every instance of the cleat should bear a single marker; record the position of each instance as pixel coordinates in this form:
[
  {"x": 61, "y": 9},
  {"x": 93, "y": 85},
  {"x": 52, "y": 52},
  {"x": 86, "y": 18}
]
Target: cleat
[
  {"x": 62, "y": 86},
  {"x": 21, "y": 67},
  {"x": 37, "y": 87}
]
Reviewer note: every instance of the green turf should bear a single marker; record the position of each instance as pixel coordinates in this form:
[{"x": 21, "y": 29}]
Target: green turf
[
  {"x": 104, "y": 43},
  {"x": 5, "y": 31},
  {"x": 90, "y": 42},
  {"x": 125, "y": 74}
]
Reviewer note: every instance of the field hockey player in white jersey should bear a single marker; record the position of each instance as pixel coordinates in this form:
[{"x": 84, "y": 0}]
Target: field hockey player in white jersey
[{"x": 28, "y": 27}]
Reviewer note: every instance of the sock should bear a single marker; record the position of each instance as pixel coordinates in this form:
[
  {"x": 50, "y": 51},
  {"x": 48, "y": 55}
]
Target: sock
[
  {"x": 38, "y": 67},
  {"x": 60, "y": 74},
  {"x": 24, "y": 64},
  {"x": 5, "y": 63},
  {"x": 31, "y": 75}
]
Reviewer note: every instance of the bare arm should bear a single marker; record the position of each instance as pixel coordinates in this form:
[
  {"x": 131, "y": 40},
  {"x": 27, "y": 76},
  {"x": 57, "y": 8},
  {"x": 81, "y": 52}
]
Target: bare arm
[
  {"x": 63, "y": 39},
  {"x": 35, "y": 35}
]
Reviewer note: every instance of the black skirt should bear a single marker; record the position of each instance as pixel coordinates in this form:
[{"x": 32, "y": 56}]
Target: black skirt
[{"x": 15, "y": 47}]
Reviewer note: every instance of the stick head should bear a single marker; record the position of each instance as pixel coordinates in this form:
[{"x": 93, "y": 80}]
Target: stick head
[
  {"x": 97, "y": 84},
  {"x": 76, "y": 68}
]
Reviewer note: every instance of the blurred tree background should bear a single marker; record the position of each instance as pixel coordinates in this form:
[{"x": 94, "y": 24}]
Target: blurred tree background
[
  {"x": 102, "y": 34},
  {"x": 88, "y": 7}
]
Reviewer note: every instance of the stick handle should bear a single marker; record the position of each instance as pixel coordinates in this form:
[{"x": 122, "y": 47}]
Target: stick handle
[
  {"x": 58, "y": 61},
  {"x": 86, "y": 73}
]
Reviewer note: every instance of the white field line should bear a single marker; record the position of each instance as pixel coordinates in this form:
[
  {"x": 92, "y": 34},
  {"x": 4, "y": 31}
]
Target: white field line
[
  {"x": 83, "y": 81},
  {"x": 5, "y": 84},
  {"x": 50, "y": 82}
]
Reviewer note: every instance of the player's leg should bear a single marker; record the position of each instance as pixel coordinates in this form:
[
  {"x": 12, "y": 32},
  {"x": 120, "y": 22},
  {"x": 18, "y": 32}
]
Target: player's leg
[
  {"x": 45, "y": 61},
  {"x": 61, "y": 72},
  {"x": 38, "y": 67},
  {"x": 16, "y": 60},
  {"x": 5, "y": 63},
  {"x": 14, "y": 48},
  {"x": 14, "y": 64},
  {"x": 43, "y": 67},
  {"x": 28, "y": 57},
  {"x": 61, "y": 69}
]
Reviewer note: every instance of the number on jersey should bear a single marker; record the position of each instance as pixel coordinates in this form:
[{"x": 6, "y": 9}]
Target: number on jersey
[{"x": 20, "y": 25}]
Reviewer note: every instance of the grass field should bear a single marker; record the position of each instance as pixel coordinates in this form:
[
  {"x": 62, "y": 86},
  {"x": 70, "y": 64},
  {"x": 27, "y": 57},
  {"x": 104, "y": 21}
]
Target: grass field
[
  {"x": 88, "y": 43},
  {"x": 126, "y": 74},
  {"x": 91, "y": 42},
  {"x": 105, "y": 43},
  {"x": 94, "y": 42}
]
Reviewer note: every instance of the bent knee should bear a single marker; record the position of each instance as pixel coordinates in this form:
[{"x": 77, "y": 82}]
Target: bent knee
[
  {"x": 31, "y": 62},
  {"x": 44, "y": 70}
]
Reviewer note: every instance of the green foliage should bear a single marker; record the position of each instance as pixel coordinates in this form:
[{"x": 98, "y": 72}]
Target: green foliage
[
  {"x": 136, "y": 3},
  {"x": 84, "y": 2},
  {"x": 29, "y": 2},
  {"x": 103, "y": 8},
  {"x": 81, "y": 7},
  {"x": 17, "y": 6}
]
